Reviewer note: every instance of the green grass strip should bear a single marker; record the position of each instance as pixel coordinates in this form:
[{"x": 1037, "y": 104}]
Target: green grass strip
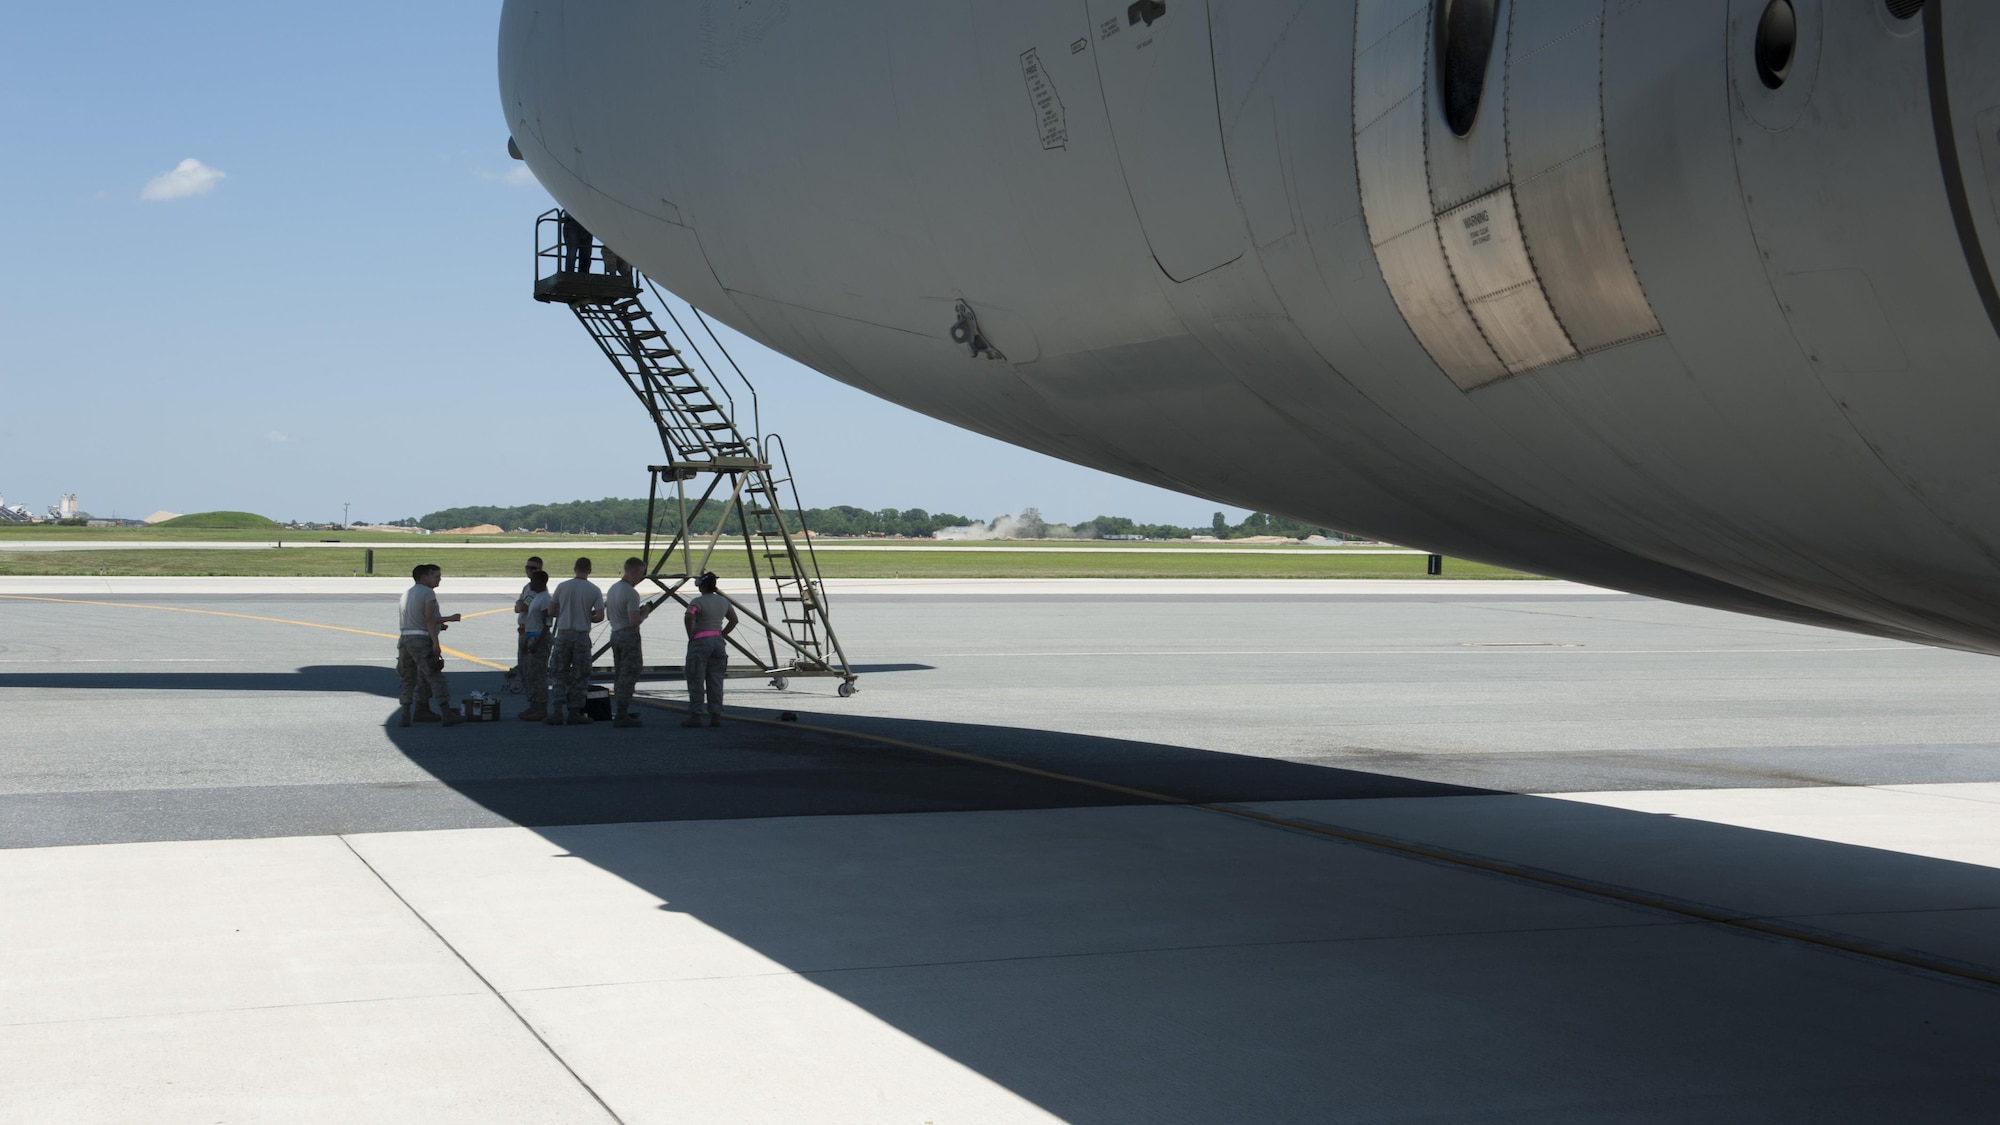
[{"x": 889, "y": 562}]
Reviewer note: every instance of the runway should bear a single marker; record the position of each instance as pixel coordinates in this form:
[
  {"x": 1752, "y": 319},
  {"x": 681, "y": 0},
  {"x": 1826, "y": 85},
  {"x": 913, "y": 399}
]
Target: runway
[
  {"x": 609, "y": 545},
  {"x": 1021, "y": 877}
]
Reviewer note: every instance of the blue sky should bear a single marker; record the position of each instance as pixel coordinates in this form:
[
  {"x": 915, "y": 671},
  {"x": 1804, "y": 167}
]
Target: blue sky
[{"x": 343, "y": 315}]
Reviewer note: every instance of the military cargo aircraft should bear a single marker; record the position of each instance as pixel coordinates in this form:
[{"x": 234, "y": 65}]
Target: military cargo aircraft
[{"x": 1692, "y": 298}]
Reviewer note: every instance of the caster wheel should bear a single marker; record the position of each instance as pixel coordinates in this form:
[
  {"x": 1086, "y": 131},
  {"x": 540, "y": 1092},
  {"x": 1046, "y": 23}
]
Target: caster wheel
[
  {"x": 780, "y": 682},
  {"x": 847, "y": 689}
]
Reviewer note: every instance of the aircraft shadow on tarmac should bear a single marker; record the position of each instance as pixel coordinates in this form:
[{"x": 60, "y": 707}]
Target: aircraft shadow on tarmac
[
  {"x": 665, "y": 772},
  {"x": 366, "y": 679},
  {"x": 1111, "y": 958},
  {"x": 1255, "y": 972}
]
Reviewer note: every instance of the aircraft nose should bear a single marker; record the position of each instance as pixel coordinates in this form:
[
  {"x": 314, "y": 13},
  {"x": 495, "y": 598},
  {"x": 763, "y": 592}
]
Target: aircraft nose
[
  {"x": 524, "y": 41},
  {"x": 575, "y": 81}
]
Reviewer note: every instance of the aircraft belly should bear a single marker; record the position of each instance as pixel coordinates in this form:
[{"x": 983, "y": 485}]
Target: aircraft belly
[
  {"x": 1918, "y": 396},
  {"x": 1158, "y": 87},
  {"x": 1639, "y": 324}
]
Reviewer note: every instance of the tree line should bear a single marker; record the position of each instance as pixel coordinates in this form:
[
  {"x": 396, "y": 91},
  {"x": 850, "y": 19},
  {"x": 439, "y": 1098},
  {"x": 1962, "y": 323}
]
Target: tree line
[{"x": 614, "y": 516}]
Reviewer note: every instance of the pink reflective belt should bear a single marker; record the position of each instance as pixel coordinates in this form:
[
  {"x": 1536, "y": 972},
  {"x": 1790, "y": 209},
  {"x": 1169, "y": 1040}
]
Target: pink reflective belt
[{"x": 710, "y": 633}]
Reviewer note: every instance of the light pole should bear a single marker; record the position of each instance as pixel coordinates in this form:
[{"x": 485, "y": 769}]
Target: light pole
[{"x": 344, "y": 505}]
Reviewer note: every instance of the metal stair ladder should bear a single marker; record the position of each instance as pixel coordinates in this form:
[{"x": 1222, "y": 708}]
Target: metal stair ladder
[{"x": 714, "y": 471}]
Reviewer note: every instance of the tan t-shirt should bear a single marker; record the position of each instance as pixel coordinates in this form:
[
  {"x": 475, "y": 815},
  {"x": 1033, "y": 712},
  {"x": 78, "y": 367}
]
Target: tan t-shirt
[
  {"x": 412, "y": 620},
  {"x": 576, "y": 600},
  {"x": 710, "y": 613},
  {"x": 540, "y": 607},
  {"x": 621, "y": 603}
]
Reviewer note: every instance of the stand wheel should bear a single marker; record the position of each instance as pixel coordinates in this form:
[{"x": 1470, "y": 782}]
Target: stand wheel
[
  {"x": 780, "y": 682},
  {"x": 847, "y": 689}
]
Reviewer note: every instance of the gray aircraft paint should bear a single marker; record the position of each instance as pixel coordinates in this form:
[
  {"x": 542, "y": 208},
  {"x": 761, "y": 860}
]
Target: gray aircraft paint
[{"x": 1715, "y": 342}]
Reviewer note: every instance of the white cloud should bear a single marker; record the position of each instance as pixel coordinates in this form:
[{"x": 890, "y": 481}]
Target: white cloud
[
  {"x": 277, "y": 437},
  {"x": 517, "y": 175},
  {"x": 189, "y": 177}
]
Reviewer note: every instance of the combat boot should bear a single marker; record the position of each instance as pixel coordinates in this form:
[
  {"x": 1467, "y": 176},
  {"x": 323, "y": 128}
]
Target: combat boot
[
  {"x": 628, "y": 719},
  {"x": 693, "y": 720},
  {"x": 451, "y": 718},
  {"x": 554, "y": 718},
  {"x": 403, "y": 715},
  {"x": 715, "y": 720},
  {"x": 424, "y": 714},
  {"x": 534, "y": 714}
]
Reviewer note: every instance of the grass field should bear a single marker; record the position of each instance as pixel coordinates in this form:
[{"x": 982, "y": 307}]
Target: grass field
[
  {"x": 888, "y": 562},
  {"x": 216, "y": 521},
  {"x": 163, "y": 534}
]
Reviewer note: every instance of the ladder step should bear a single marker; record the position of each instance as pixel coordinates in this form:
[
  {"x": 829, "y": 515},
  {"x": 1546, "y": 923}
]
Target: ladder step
[{"x": 701, "y": 437}]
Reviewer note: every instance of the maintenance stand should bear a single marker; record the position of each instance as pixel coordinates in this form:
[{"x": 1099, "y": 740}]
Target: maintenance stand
[{"x": 727, "y": 472}]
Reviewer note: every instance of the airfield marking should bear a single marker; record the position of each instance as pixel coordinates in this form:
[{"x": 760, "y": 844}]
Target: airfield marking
[
  {"x": 1624, "y": 895},
  {"x": 253, "y": 617}
]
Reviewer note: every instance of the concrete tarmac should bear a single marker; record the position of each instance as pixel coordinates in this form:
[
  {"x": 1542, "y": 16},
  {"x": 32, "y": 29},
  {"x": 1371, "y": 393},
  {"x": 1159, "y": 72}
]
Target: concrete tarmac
[{"x": 1083, "y": 851}]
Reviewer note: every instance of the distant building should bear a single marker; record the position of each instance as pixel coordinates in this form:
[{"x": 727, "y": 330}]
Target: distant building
[
  {"x": 162, "y": 516},
  {"x": 15, "y": 513}
]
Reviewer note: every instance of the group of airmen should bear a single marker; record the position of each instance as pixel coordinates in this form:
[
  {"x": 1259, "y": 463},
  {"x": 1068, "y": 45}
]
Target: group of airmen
[{"x": 554, "y": 650}]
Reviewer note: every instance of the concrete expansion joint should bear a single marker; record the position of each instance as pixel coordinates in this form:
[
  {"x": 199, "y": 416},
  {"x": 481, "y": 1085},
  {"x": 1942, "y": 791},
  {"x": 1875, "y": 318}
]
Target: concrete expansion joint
[
  {"x": 1119, "y": 951},
  {"x": 1688, "y": 911},
  {"x": 1768, "y": 926},
  {"x": 481, "y": 978}
]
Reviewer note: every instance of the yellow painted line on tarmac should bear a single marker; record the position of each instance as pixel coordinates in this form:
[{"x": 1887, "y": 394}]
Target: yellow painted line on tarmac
[
  {"x": 250, "y": 617},
  {"x": 961, "y": 755}
]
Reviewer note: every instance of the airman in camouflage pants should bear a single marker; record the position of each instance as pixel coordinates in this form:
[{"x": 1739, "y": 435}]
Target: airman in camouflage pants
[
  {"x": 569, "y": 671},
  {"x": 416, "y": 668},
  {"x": 626, "y": 660},
  {"x": 534, "y": 669}
]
